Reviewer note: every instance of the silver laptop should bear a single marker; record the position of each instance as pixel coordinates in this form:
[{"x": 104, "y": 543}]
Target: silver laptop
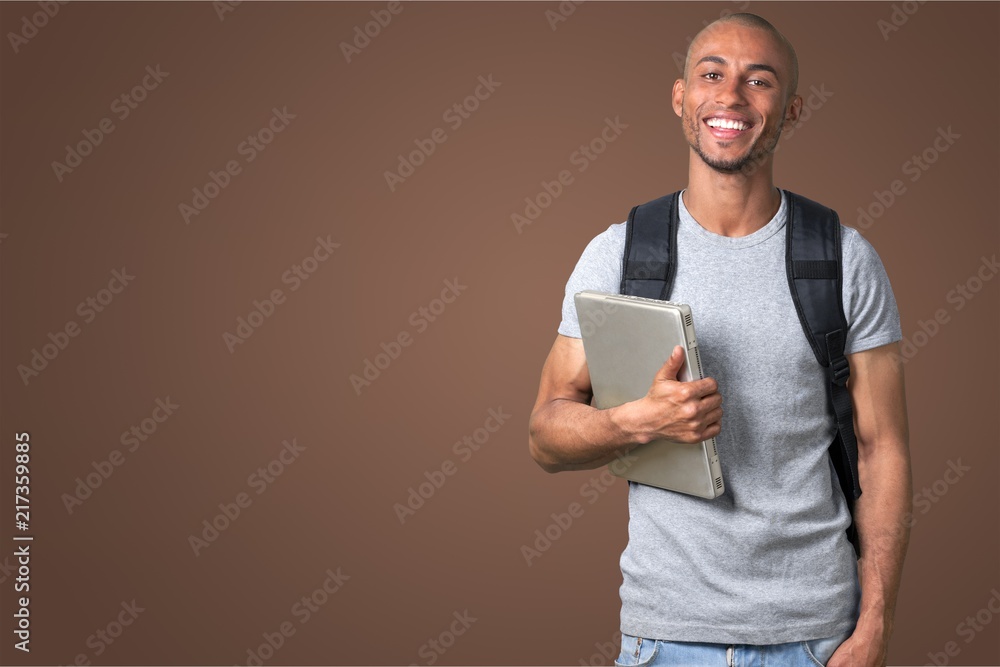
[{"x": 627, "y": 339}]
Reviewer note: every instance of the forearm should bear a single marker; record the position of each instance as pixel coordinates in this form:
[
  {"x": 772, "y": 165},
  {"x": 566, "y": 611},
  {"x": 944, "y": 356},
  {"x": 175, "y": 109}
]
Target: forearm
[
  {"x": 881, "y": 513},
  {"x": 568, "y": 435}
]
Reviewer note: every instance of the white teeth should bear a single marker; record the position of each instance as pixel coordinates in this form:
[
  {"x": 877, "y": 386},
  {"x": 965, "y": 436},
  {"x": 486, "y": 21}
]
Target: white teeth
[{"x": 726, "y": 124}]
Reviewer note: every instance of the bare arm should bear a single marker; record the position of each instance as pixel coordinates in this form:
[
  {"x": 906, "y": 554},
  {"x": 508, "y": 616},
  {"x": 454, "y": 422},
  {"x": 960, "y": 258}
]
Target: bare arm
[
  {"x": 878, "y": 394},
  {"x": 566, "y": 433}
]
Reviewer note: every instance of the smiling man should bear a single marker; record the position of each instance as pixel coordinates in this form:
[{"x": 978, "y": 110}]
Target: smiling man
[{"x": 768, "y": 572}]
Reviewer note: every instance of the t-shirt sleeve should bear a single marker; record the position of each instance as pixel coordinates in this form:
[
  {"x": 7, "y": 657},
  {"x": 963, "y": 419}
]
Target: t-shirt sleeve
[
  {"x": 599, "y": 268},
  {"x": 869, "y": 304}
]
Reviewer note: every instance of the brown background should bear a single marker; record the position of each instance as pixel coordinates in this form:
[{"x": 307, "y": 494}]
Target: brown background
[{"x": 323, "y": 175}]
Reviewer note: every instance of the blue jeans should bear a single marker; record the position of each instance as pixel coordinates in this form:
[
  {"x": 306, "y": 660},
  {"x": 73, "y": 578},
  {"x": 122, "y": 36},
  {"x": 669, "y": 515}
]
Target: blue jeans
[{"x": 641, "y": 652}]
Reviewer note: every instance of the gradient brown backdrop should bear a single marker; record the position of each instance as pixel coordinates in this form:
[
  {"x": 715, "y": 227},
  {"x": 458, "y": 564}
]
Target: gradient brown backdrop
[{"x": 323, "y": 175}]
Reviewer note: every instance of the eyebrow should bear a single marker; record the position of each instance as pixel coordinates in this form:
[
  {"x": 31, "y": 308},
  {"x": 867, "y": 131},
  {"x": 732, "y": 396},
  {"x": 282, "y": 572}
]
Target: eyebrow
[{"x": 751, "y": 67}]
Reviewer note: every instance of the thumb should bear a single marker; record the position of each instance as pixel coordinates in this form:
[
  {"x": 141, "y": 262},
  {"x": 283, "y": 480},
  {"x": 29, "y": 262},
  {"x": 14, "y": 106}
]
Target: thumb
[{"x": 668, "y": 371}]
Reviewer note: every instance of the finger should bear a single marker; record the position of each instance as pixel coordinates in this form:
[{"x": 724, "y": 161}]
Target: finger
[
  {"x": 711, "y": 431},
  {"x": 710, "y": 402},
  {"x": 712, "y": 417},
  {"x": 700, "y": 435},
  {"x": 669, "y": 369},
  {"x": 704, "y": 387}
]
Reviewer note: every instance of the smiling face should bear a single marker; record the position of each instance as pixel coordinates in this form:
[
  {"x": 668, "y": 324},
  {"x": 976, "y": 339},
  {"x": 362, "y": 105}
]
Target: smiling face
[{"x": 736, "y": 96}]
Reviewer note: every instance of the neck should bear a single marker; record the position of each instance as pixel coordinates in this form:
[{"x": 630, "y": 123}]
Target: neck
[{"x": 731, "y": 204}]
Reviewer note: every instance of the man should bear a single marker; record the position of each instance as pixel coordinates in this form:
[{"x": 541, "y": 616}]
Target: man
[{"x": 764, "y": 572}]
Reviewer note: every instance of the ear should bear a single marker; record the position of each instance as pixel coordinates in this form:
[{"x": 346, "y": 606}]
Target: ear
[
  {"x": 792, "y": 112},
  {"x": 677, "y": 97}
]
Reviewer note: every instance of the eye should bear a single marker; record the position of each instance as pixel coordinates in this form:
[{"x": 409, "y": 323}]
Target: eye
[
  {"x": 712, "y": 74},
  {"x": 758, "y": 83}
]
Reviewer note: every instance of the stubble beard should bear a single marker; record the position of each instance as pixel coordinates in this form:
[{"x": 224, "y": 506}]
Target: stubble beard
[{"x": 755, "y": 154}]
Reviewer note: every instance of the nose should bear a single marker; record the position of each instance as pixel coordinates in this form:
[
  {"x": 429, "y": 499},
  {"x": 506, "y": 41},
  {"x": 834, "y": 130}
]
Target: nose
[{"x": 729, "y": 93}]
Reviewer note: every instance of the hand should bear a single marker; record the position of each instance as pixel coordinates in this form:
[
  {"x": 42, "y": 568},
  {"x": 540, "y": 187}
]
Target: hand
[
  {"x": 679, "y": 411},
  {"x": 867, "y": 647}
]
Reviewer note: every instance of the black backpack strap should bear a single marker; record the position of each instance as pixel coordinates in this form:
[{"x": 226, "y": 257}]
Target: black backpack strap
[
  {"x": 650, "y": 237},
  {"x": 813, "y": 263}
]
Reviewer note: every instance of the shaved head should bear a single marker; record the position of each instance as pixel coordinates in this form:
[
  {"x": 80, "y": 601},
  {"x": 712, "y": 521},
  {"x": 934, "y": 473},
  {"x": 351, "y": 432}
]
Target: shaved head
[
  {"x": 752, "y": 21},
  {"x": 738, "y": 92}
]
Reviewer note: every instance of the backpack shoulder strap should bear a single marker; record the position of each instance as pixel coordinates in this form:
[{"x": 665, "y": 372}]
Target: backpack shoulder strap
[
  {"x": 650, "y": 238},
  {"x": 814, "y": 267}
]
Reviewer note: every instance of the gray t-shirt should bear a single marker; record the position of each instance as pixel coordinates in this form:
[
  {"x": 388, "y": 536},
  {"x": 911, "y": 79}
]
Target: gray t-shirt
[{"x": 767, "y": 562}]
